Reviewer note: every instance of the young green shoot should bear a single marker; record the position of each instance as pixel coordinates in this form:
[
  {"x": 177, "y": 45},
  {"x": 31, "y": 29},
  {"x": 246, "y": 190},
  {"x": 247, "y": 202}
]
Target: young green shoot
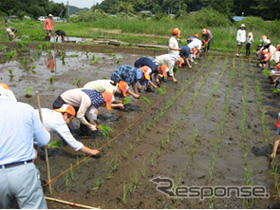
[
  {"x": 126, "y": 100},
  {"x": 28, "y": 92},
  {"x": 146, "y": 100},
  {"x": 124, "y": 194},
  {"x": 71, "y": 171},
  {"x": 105, "y": 130},
  {"x": 78, "y": 82}
]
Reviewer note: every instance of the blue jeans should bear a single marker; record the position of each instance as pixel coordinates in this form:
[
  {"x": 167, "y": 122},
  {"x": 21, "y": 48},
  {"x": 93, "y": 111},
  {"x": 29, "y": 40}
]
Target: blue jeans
[{"x": 20, "y": 187}]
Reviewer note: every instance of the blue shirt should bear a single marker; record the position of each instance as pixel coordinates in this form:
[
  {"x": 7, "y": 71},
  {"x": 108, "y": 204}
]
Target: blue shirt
[
  {"x": 20, "y": 129},
  {"x": 146, "y": 61},
  {"x": 96, "y": 97}
]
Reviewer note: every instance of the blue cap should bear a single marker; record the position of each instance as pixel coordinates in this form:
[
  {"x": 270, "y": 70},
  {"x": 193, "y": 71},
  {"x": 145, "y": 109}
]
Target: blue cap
[{"x": 139, "y": 74}]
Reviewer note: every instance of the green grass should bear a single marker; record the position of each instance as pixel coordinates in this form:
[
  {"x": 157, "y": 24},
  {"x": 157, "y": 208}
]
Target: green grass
[
  {"x": 266, "y": 72},
  {"x": 153, "y": 31}
]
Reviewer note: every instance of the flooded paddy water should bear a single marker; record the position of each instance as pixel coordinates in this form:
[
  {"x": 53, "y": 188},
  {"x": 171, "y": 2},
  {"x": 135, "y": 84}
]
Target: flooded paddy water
[{"x": 204, "y": 131}]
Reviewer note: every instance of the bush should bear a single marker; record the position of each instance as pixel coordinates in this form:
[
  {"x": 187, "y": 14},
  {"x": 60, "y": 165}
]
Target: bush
[{"x": 206, "y": 18}]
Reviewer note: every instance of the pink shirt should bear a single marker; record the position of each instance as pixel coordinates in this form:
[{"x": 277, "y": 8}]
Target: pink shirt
[{"x": 49, "y": 24}]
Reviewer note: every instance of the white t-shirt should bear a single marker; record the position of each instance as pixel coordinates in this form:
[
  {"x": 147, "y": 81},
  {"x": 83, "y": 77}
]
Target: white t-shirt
[
  {"x": 7, "y": 94},
  {"x": 54, "y": 121},
  {"x": 196, "y": 43},
  {"x": 169, "y": 60},
  {"x": 173, "y": 43},
  {"x": 241, "y": 36},
  {"x": 101, "y": 86}
]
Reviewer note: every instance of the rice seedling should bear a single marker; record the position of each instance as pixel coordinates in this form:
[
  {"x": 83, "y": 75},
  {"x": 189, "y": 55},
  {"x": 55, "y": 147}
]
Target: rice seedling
[
  {"x": 266, "y": 72},
  {"x": 33, "y": 67},
  {"x": 28, "y": 92},
  {"x": 124, "y": 194},
  {"x": 74, "y": 55},
  {"x": 161, "y": 91},
  {"x": 131, "y": 146},
  {"x": 39, "y": 52},
  {"x": 125, "y": 154},
  {"x": 94, "y": 59},
  {"x": 55, "y": 144},
  {"x": 126, "y": 100},
  {"x": 46, "y": 45},
  {"x": 105, "y": 130},
  {"x": 78, "y": 163},
  {"x": 11, "y": 74},
  {"x": 97, "y": 185},
  {"x": 276, "y": 91},
  {"x": 66, "y": 180},
  {"x": 78, "y": 82},
  {"x": 11, "y": 54},
  {"x": 71, "y": 172},
  {"x": 118, "y": 61},
  {"x": 51, "y": 80},
  {"x": 144, "y": 169},
  {"x": 49, "y": 51},
  {"x": 32, "y": 59},
  {"x": 115, "y": 163},
  {"x": 152, "y": 159},
  {"x": 146, "y": 100},
  {"x": 22, "y": 43},
  {"x": 24, "y": 61},
  {"x": 87, "y": 51}
]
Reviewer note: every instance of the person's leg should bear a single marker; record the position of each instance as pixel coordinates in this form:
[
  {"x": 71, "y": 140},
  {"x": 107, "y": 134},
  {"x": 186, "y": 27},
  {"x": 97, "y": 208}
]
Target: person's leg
[
  {"x": 209, "y": 44},
  {"x": 26, "y": 187},
  {"x": 275, "y": 146},
  {"x": 7, "y": 200},
  {"x": 91, "y": 114},
  {"x": 171, "y": 65}
]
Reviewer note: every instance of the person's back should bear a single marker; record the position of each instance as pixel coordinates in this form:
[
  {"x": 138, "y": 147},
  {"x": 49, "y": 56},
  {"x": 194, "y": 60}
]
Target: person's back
[{"x": 20, "y": 130}]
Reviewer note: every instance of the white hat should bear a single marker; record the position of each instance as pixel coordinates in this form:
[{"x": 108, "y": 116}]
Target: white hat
[
  {"x": 242, "y": 25},
  {"x": 50, "y": 15}
]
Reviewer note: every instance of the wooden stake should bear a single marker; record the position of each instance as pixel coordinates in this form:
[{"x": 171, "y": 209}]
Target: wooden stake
[
  {"x": 45, "y": 148},
  {"x": 70, "y": 203}
]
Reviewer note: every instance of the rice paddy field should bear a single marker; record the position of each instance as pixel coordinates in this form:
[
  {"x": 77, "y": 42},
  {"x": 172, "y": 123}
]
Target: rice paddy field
[{"x": 214, "y": 128}]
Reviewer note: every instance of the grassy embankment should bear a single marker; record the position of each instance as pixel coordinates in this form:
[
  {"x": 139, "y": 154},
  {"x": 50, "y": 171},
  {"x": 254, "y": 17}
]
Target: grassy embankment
[{"x": 153, "y": 31}]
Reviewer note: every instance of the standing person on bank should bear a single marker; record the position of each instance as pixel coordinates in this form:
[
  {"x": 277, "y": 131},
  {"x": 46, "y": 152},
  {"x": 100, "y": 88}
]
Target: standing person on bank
[
  {"x": 173, "y": 46},
  {"x": 49, "y": 26},
  {"x": 207, "y": 37},
  {"x": 250, "y": 40},
  {"x": 20, "y": 131},
  {"x": 240, "y": 38}
]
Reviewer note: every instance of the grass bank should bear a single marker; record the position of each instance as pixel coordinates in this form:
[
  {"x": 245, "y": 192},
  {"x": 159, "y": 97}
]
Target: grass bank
[{"x": 152, "y": 30}]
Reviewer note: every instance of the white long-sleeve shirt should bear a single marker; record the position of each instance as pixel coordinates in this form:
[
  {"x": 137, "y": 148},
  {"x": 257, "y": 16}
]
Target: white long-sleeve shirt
[
  {"x": 173, "y": 43},
  {"x": 169, "y": 60},
  {"x": 241, "y": 36},
  {"x": 54, "y": 121},
  {"x": 196, "y": 43}
]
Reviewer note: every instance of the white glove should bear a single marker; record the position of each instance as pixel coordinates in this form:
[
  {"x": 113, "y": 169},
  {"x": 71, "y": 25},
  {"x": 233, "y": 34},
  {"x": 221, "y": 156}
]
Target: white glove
[{"x": 92, "y": 127}]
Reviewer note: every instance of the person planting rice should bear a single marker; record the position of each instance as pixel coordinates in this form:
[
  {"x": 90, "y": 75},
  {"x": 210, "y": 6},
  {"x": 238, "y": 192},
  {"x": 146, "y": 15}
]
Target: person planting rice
[
  {"x": 20, "y": 131},
  {"x": 185, "y": 54},
  {"x": 56, "y": 121},
  {"x": 207, "y": 37},
  {"x": 276, "y": 139},
  {"x": 275, "y": 75},
  {"x": 173, "y": 46},
  {"x": 266, "y": 55},
  {"x": 108, "y": 85},
  {"x": 240, "y": 38},
  {"x": 195, "y": 47},
  {"x": 86, "y": 103},
  {"x": 157, "y": 69},
  {"x": 190, "y": 39},
  {"x": 59, "y": 34},
  {"x": 133, "y": 76},
  {"x": 170, "y": 60},
  {"x": 265, "y": 44}
]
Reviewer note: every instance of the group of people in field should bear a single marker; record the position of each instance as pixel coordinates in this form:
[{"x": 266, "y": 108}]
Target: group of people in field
[
  {"x": 21, "y": 130},
  {"x": 266, "y": 54}
]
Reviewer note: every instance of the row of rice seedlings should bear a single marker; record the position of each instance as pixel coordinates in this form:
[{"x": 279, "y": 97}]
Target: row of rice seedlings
[
  {"x": 172, "y": 100},
  {"x": 78, "y": 82},
  {"x": 220, "y": 128},
  {"x": 186, "y": 108},
  {"x": 248, "y": 169},
  {"x": 213, "y": 92}
]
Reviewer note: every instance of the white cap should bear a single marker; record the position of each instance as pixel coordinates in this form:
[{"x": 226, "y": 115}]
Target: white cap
[
  {"x": 242, "y": 25},
  {"x": 50, "y": 15}
]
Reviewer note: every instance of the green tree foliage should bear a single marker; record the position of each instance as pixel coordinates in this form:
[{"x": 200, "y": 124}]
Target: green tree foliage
[
  {"x": 267, "y": 9},
  {"x": 32, "y": 8}
]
